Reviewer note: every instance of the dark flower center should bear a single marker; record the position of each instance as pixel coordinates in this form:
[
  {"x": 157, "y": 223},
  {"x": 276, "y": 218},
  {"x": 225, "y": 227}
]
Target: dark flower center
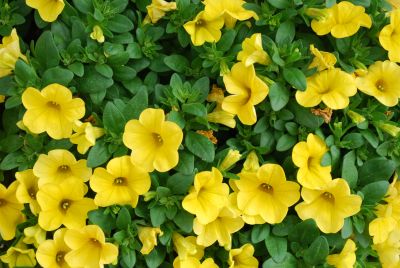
[
  {"x": 120, "y": 181},
  {"x": 60, "y": 257},
  {"x": 200, "y": 22},
  {"x": 380, "y": 85},
  {"x": 32, "y": 193},
  {"x": 158, "y": 139},
  {"x": 53, "y": 105},
  {"x": 265, "y": 187},
  {"x": 65, "y": 204},
  {"x": 64, "y": 168},
  {"x": 328, "y": 197},
  {"x": 2, "y": 202}
]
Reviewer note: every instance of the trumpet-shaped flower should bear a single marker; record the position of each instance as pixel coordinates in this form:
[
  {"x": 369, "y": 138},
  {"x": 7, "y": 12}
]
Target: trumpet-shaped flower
[
  {"x": 48, "y": 10},
  {"x": 307, "y": 156},
  {"x": 230, "y": 159},
  {"x": 52, "y": 110},
  {"x": 63, "y": 203},
  {"x": 381, "y": 82},
  {"x": 193, "y": 262},
  {"x": 85, "y": 135},
  {"x": 34, "y": 235},
  {"x": 222, "y": 117},
  {"x": 89, "y": 248},
  {"x": 148, "y": 237},
  {"x": 154, "y": 142},
  {"x": 203, "y": 29},
  {"x": 389, "y": 251},
  {"x": 266, "y": 193},
  {"x": 329, "y": 206},
  {"x": 157, "y": 9},
  {"x": 251, "y": 163},
  {"x": 27, "y": 189},
  {"x": 19, "y": 256},
  {"x": 389, "y": 37},
  {"x": 248, "y": 90},
  {"x": 121, "y": 183},
  {"x": 97, "y": 34},
  {"x": 10, "y": 211},
  {"x": 10, "y": 52},
  {"x": 242, "y": 257},
  {"x": 207, "y": 197},
  {"x": 346, "y": 258},
  {"x": 249, "y": 219},
  {"x": 322, "y": 60},
  {"x": 186, "y": 247},
  {"x": 252, "y": 51},
  {"x": 51, "y": 253},
  {"x": 331, "y": 86},
  {"x": 342, "y": 20},
  {"x": 59, "y": 165}
]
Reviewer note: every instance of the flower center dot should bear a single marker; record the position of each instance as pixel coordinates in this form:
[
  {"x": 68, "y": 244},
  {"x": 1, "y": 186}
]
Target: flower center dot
[
  {"x": 53, "y": 105},
  {"x": 64, "y": 168},
  {"x": 265, "y": 187},
  {"x": 60, "y": 257},
  {"x": 32, "y": 193},
  {"x": 199, "y": 22},
  {"x": 157, "y": 139},
  {"x": 328, "y": 197},
  {"x": 65, "y": 204},
  {"x": 119, "y": 181},
  {"x": 2, "y": 202},
  {"x": 380, "y": 85}
]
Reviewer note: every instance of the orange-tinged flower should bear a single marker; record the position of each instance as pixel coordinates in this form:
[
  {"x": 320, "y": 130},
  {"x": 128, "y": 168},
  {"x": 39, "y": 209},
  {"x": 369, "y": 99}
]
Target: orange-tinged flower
[
  {"x": 247, "y": 91},
  {"x": 19, "y": 256},
  {"x": 322, "y": 60},
  {"x": 148, "y": 237},
  {"x": 154, "y": 142},
  {"x": 266, "y": 193},
  {"x": 203, "y": 29},
  {"x": 381, "y": 82},
  {"x": 10, "y": 52},
  {"x": 27, "y": 189},
  {"x": 52, "y": 110},
  {"x": 331, "y": 86},
  {"x": 346, "y": 258},
  {"x": 63, "y": 203},
  {"x": 85, "y": 135},
  {"x": 59, "y": 165},
  {"x": 89, "y": 248},
  {"x": 389, "y": 37},
  {"x": 242, "y": 257},
  {"x": 307, "y": 156},
  {"x": 157, "y": 9},
  {"x": 207, "y": 197},
  {"x": 186, "y": 247},
  {"x": 48, "y": 10},
  {"x": 329, "y": 206},
  {"x": 10, "y": 211},
  {"x": 51, "y": 253},
  {"x": 34, "y": 235},
  {"x": 253, "y": 52}
]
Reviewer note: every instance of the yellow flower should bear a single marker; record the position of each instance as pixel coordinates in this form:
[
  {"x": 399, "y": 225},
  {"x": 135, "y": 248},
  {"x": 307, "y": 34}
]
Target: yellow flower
[
  {"x": 341, "y": 20},
  {"x": 52, "y": 110},
  {"x": 154, "y": 142},
  {"x": 157, "y": 9},
  {"x": 389, "y": 37},
  {"x": 19, "y": 256},
  {"x": 247, "y": 89},
  {"x": 9, "y": 54},
  {"x": 121, "y": 183},
  {"x": 307, "y": 156},
  {"x": 252, "y": 51},
  {"x": 389, "y": 251},
  {"x": 322, "y": 60},
  {"x": 97, "y": 34},
  {"x": 59, "y": 165},
  {"x": 148, "y": 237},
  {"x": 34, "y": 235},
  {"x": 230, "y": 10},
  {"x": 251, "y": 163},
  {"x": 194, "y": 263},
  {"x": 48, "y": 10},
  {"x": 228, "y": 221},
  {"x": 10, "y": 211},
  {"x": 394, "y": 3},
  {"x": 207, "y": 197},
  {"x": 329, "y": 206},
  {"x": 85, "y": 135},
  {"x": 63, "y": 203},
  {"x": 346, "y": 258},
  {"x": 89, "y": 248},
  {"x": 381, "y": 82},
  {"x": 266, "y": 193},
  {"x": 186, "y": 247},
  {"x": 222, "y": 117},
  {"x": 249, "y": 219},
  {"x": 331, "y": 86},
  {"x": 242, "y": 257},
  {"x": 51, "y": 253},
  {"x": 2, "y": 97},
  {"x": 27, "y": 189},
  {"x": 203, "y": 29},
  {"x": 230, "y": 159},
  {"x": 380, "y": 228}
]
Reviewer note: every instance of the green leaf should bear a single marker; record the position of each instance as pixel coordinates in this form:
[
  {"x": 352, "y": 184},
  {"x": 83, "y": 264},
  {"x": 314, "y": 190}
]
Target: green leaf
[
  {"x": 259, "y": 233},
  {"x": 46, "y": 51},
  {"x": 196, "y": 109},
  {"x": 282, "y": 4},
  {"x": 374, "y": 192},
  {"x": 104, "y": 70},
  {"x": 134, "y": 51},
  {"x": 113, "y": 119},
  {"x": 12, "y": 160},
  {"x": 11, "y": 143},
  {"x": 201, "y": 88},
  {"x": 317, "y": 252},
  {"x": 226, "y": 41},
  {"x": 98, "y": 155},
  {"x": 200, "y": 146},
  {"x": 295, "y": 77},
  {"x": 184, "y": 221},
  {"x": 104, "y": 220},
  {"x": 124, "y": 73},
  {"x": 180, "y": 183},
  {"x": 277, "y": 247},
  {"x": 137, "y": 104},
  {"x": 376, "y": 169},
  {"x": 353, "y": 141},
  {"x": 279, "y": 96},
  {"x": 176, "y": 117},
  {"x": 285, "y": 142},
  {"x": 57, "y": 75},
  {"x": 119, "y": 5},
  {"x": 186, "y": 163},
  {"x": 177, "y": 63},
  {"x": 24, "y": 73},
  {"x": 304, "y": 232},
  {"x": 120, "y": 24},
  {"x": 289, "y": 262},
  {"x": 155, "y": 258},
  {"x": 304, "y": 117},
  {"x": 128, "y": 257},
  {"x": 349, "y": 169},
  {"x": 123, "y": 218},
  {"x": 77, "y": 68},
  {"x": 157, "y": 215},
  {"x": 93, "y": 82},
  {"x": 84, "y": 6},
  {"x": 285, "y": 33}
]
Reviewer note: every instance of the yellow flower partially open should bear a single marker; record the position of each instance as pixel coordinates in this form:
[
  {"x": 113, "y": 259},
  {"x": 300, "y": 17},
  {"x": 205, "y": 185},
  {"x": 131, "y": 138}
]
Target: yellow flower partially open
[
  {"x": 48, "y": 10},
  {"x": 10, "y": 211},
  {"x": 242, "y": 257},
  {"x": 27, "y": 189},
  {"x": 203, "y": 29},
  {"x": 34, "y": 235},
  {"x": 19, "y": 256},
  {"x": 253, "y": 52},
  {"x": 346, "y": 258},
  {"x": 322, "y": 60},
  {"x": 186, "y": 247},
  {"x": 10, "y": 52},
  {"x": 85, "y": 135},
  {"x": 389, "y": 37},
  {"x": 157, "y": 9},
  {"x": 51, "y": 253},
  {"x": 388, "y": 251},
  {"x": 97, "y": 34},
  {"x": 148, "y": 237}
]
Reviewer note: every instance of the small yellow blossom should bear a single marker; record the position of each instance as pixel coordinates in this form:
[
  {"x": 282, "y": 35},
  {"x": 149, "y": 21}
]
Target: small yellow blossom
[
  {"x": 157, "y": 9},
  {"x": 97, "y": 34},
  {"x": 322, "y": 60},
  {"x": 19, "y": 256},
  {"x": 230, "y": 159},
  {"x": 389, "y": 251},
  {"x": 51, "y": 253},
  {"x": 10, "y": 211},
  {"x": 389, "y": 36},
  {"x": 194, "y": 263},
  {"x": 148, "y": 237},
  {"x": 346, "y": 258},
  {"x": 52, "y": 110},
  {"x": 394, "y": 3},
  {"x": 253, "y": 52},
  {"x": 85, "y": 135},
  {"x": 222, "y": 117},
  {"x": 251, "y": 163},
  {"x": 186, "y": 247},
  {"x": 48, "y": 10},
  {"x": 34, "y": 235},
  {"x": 242, "y": 257},
  {"x": 27, "y": 189},
  {"x": 9, "y": 54},
  {"x": 203, "y": 29},
  {"x": 380, "y": 228}
]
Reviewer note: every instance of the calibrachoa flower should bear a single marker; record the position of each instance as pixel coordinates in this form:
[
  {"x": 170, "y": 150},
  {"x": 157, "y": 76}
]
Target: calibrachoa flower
[
  {"x": 251, "y": 163},
  {"x": 381, "y": 82},
  {"x": 207, "y": 197},
  {"x": 97, "y": 34},
  {"x": 222, "y": 117},
  {"x": 63, "y": 203},
  {"x": 266, "y": 193},
  {"x": 307, "y": 156},
  {"x": 51, "y": 110},
  {"x": 9, "y": 54},
  {"x": 329, "y": 206},
  {"x": 27, "y": 189},
  {"x": 346, "y": 258},
  {"x": 342, "y": 20},
  {"x": 10, "y": 211},
  {"x": 121, "y": 183},
  {"x": 394, "y": 3},
  {"x": 332, "y": 86},
  {"x": 157, "y": 9},
  {"x": 249, "y": 219},
  {"x": 322, "y": 60},
  {"x": 247, "y": 91},
  {"x": 253, "y": 52},
  {"x": 48, "y": 10},
  {"x": 34, "y": 235},
  {"x": 194, "y": 263},
  {"x": 389, "y": 36},
  {"x": 19, "y": 256},
  {"x": 186, "y": 247},
  {"x": 89, "y": 248},
  {"x": 154, "y": 142},
  {"x": 204, "y": 29},
  {"x": 230, "y": 159},
  {"x": 85, "y": 135},
  {"x": 389, "y": 250},
  {"x": 242, "y": 257},
  {"x": 148, "y": 237},
  {"x": 51, "y": 253},
  {"x": 59, "y": 165}
]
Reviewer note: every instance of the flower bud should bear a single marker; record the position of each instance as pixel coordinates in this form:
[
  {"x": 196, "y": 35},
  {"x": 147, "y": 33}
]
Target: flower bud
[
  {"x": 355, "y": 117},
  {"x": 230, "y": 159}
]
